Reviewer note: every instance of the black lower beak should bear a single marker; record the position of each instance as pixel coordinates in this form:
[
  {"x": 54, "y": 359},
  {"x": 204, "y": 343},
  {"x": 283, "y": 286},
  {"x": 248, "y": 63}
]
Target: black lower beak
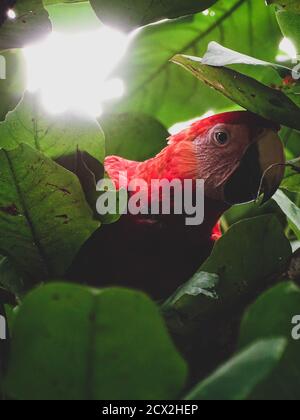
[{"x": 260, "y": 171}]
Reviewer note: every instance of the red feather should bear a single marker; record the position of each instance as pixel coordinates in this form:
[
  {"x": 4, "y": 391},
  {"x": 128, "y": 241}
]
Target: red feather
[{"x": 157, "y": 253}]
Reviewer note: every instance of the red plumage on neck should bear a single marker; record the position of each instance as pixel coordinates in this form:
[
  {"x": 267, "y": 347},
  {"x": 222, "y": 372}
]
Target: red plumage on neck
[{"x": 176, "y": 161}]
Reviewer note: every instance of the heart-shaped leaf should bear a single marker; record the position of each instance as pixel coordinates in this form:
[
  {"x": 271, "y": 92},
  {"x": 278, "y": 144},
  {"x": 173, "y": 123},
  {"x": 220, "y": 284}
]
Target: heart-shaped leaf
[{"x": 74, "y": 343}]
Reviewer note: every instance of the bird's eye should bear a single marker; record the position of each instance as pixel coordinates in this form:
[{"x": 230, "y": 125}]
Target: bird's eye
[{"x": 221, "y": 137}]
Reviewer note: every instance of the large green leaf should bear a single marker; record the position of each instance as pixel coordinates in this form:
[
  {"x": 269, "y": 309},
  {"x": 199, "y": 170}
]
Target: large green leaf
[
  {"x": 237, "y": 378},
  {"x": 75, "y": 142},
  {"x": 75, "y": 343},
  {"x": 133, "y": 136},
  {"x": 245, "y": 91},
  {"x": 44, "y": 218},
  {"x": 272, "y": 316},
  {"x": 129, "y": 14},
  {"x": 57, "y": 136},
  {"x": 247, "y": 259},
  {"x": 12, "y": 80},
  {"x": 31, "y": 23},
  {"x": 157, "y": 87}
]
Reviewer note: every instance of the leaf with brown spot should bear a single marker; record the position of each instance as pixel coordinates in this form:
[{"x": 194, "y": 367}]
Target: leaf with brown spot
[{"x": 40, "y": 245}]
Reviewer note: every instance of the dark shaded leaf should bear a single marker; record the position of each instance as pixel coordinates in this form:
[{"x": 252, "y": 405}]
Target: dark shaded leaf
[
  {"x": 133, "y": 136},
  {"x": 247, "y": 259},
  {"x": 31, "y": 23},
  {"x": 219, "y": 56},
  {"x": 129, "y": 14},
  {"x": 200, "y": 284},
  {"x": 294, "y": 268},
  {"x": 4, "y": 8},
  {"x": 269, "y": 317},
  {"x": 237, "y": 378},
  {"x": 10, "y": 279}
]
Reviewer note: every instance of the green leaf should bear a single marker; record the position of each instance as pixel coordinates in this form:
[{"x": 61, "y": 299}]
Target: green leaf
[
  {"x": 289, "y": 209},
  {"x": 88, "y": 172},
  {"x": 291, "y": 140},
  {"x": 292, "y": 183},
  {"x": 129, "y": 14},
  {"x": 289, "y": 23},
  {"x": 245, "y": 91},
  {"x": 31, "y": 23},
  {"x": 10, "y": 279},
  {"x": 288, "y": 16},
  {"x": 156, "y": 87},
  {"x": 237, "y": 378},
  {"x": 269, "y": 317},
  {"x": 133, "y": 136},
  {"x": 44, "y": 218},
  {"x": 72, "y": 17},
  {"x": 12, "y": 80},
  {"x": 57, "y": 136},
  {"x": 288, "y": 5},
  {"x": 200, "y": 284},
  {"x": 120, "y": 350},
  {"x": 247, "y": 259}
]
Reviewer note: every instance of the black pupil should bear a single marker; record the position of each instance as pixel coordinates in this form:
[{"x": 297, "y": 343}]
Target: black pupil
[{"x": 222, "y": 137}]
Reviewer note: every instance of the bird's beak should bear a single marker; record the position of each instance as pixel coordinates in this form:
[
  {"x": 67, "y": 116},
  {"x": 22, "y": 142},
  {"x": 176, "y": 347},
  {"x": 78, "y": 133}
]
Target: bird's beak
[{"x": 260, "y": 172}]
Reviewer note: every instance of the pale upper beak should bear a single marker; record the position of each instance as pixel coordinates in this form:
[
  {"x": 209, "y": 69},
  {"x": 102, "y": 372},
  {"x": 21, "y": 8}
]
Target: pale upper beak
[{"x": 260, "y": 172}]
